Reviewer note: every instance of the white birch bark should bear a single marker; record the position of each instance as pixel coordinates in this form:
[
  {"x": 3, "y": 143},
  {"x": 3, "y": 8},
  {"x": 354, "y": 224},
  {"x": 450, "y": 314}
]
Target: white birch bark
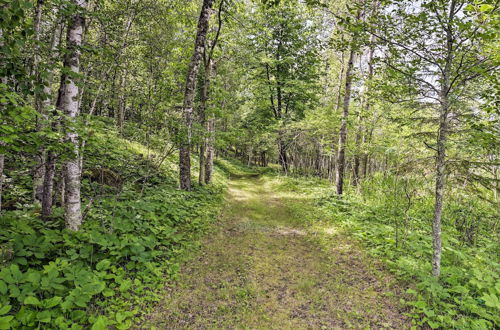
[{"x": 69, "y": 106}]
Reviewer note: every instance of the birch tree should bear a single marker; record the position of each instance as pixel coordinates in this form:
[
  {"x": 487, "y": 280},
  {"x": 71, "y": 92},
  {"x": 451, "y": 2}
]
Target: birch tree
[{"x": 68, "y": 104}]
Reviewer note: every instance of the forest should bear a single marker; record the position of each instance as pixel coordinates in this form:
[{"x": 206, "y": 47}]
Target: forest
[{"x": 249, "y": 164}]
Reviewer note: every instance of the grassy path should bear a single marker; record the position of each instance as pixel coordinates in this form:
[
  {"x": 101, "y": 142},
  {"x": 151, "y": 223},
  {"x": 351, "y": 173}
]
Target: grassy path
[{"x": 265, "y": 268}]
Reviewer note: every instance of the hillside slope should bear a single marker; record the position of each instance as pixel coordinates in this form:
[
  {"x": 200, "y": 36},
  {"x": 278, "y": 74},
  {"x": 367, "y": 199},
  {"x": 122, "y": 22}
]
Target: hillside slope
[{"x": 138, "y": 225}]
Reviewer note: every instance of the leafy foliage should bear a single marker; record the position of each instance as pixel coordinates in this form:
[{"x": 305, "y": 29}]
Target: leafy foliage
[
  {"x": 393, "y": 223},
  {"x": 109, "y": 272}
]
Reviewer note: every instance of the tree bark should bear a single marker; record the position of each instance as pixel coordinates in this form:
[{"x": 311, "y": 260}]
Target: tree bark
[
  {"x": 339, "y": 178},
  {"x": 38, "y": 168},
  {"x": 283, "y": 159},
  {"x": 69, "y": 106},
  {"x": 203, "y": 122},
  {"x": 122, "y": 103},
  {"x": 341, "y": 78},
  {"x": 48, "y": 185},
  {"x": 47, "y": 180},
  {"x": 361, "y": 157},
  {"x": 439, "y": 189},
  {"x": 209, "y": 164},
  {"x": 42, "y": 102},
  {"x": 194, "y": 66},
  {"x": 2, "y": 162},
  {"x": 357, "y": 160},
  {"x": 2, "y": 143},
  {"x": 441, "y": 145}
]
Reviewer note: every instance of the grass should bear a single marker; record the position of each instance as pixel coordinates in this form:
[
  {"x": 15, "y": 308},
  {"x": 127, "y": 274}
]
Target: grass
[{"x": 267, "y": 267}]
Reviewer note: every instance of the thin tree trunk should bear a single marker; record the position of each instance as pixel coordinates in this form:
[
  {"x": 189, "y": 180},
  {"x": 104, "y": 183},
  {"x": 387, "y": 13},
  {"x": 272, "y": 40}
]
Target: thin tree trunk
[
  {"x": 209, "y": 164},
  {"x": 50, "y": 160},
  {"x": 69, "y": 105},
  {"x": 339, "y": 178},
  {"x": 202, "y": 163},
  {"x": 44, "y": 101},
  {"x": 48, "y": 184},
  {"x": 361, "y": 156},
  {"x": 439, "y": 191},
  {"x": 203, "y": 109},
  {"x": 194, "y": 66},
  {"x": 38, "y": 168},
  {"x": 283, "y": 159},
  {"x": 2, "y": 143},
  {"x": 441, "y": 147},
  {"x": 122, "y": 103},
  {"x": 2, "y": 177},
  {"x": 357, "y": 161},
  {"x": 341, "y": 78}
]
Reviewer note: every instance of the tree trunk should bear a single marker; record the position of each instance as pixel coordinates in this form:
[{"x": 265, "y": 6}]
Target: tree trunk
[
  {"x": 69, "y": 106},
  {"x": 203, "y": 121},
  {"x": 357, "y": 161},
  {"x": 283, "y": 160},
  {"x": 194, "y": 66},
  {"x": 361, "y": 156},
  {"x": 441, "y": 147},
  {"x": 43, "y": 103},
  {"x": 341, "y": 78},
  {"x": 38, "y": 168},
  {"x": 122, "y": 103},
  {"x": 209, "y": 165},
  {"x": 2, "y": 162},
  {"x": 439, "y": 193},
  {"x": 2, "y": 143},
  {"x": 48, "y": 184},
  {"x": 202, "y": 163},
  {"x": 339, "y": 178}
]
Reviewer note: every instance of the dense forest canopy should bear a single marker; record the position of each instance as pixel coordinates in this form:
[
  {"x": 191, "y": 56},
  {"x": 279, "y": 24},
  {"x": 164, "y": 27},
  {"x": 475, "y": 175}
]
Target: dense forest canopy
[{"x": 394, "y": 103}]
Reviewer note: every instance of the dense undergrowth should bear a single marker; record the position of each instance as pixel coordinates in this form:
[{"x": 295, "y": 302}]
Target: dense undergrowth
[
  {"x": 392, "y": 218},
  {"x": 137, "y": 228}
]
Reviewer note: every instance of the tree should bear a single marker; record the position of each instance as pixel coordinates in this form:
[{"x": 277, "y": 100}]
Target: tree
[
  {"x": 68, "y": 104},
  {"x": 189, "y": 94},
  {"x": 438, "y": 45},
  {"x": 288, "y": 66},
  {"x": 206, "y": 161}
]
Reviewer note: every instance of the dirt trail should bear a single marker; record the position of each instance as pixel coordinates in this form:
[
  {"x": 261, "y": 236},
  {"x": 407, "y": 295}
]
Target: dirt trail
[{"x": 265, "y": 269}]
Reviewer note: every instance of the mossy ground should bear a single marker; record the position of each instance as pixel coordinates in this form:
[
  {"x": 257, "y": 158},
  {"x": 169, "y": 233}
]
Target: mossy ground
[{"x": 267, "y": 267}]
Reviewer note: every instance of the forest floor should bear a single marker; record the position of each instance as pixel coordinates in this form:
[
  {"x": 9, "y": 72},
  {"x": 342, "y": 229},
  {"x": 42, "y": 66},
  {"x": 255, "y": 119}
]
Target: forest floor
[{"x": 266, "y": 267}]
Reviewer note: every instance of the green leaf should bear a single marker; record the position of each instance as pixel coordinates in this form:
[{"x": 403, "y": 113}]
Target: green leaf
[
  {"x": 108, "y": 292},
  {"x": 33, "y": 277},
  {"x": 120, "y": 317},
  {"x": 5, "y": 309},
  {"x": 486, "y": 7},
  {"x": 94, "y": 287},
  {"x": 3, "y": 287},
  {"x": 30, "y": 300},
  {"x": 103, "y": 265},
  {"x": 491, "y": 300},
  {"x": 44, "y": 316},
  {"x": 126, "y": 284},
  {"x": 5, "y": 321},
  {"x": 101, "y": 323},
  {"x": 17, "y": 276},
  {"x": 433, "y": 325},
  {"x": 51, "y": 302}
]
